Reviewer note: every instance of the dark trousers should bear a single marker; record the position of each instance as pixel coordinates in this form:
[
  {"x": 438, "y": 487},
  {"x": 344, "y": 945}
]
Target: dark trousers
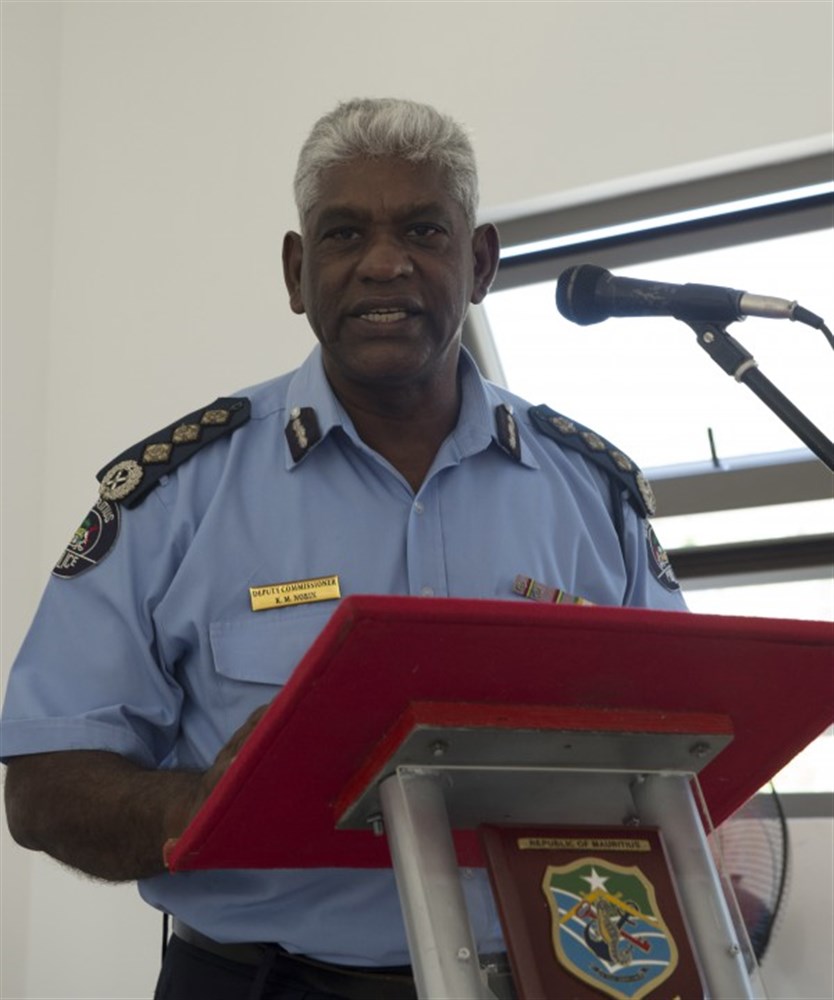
[{"x": 189, "y": 973}]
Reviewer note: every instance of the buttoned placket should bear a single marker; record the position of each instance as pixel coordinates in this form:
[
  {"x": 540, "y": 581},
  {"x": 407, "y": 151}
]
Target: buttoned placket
[{"x": 425, "y": 556}]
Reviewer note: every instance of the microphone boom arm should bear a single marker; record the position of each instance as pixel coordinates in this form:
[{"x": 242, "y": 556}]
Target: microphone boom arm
[{"x": 737, "y": 361}]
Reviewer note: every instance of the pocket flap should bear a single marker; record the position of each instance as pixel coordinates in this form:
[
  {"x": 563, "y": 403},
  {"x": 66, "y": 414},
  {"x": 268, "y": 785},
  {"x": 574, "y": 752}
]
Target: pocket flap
[{"x": 266, "y": 647}]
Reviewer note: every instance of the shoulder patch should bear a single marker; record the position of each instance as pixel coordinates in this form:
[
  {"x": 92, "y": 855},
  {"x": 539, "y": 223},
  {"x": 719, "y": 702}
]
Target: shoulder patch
[
  {"x": 132, "y": 475},
  {"x": 611, "y": 460},
  {"x": 93, "y": 539},
  {"x": 659, "y": 562}
]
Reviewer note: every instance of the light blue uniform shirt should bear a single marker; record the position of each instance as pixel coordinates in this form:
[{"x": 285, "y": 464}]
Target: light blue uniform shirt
[{"x": 155, "y": 653}]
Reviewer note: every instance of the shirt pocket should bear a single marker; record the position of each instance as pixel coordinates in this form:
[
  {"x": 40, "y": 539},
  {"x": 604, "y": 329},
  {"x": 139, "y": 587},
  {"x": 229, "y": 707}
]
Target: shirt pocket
[{"x": 265, "y": 648}]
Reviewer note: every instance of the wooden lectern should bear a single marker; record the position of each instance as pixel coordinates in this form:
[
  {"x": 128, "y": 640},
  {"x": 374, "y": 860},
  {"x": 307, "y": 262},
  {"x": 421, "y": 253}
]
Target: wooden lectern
[{"x": 427, "y": 718}]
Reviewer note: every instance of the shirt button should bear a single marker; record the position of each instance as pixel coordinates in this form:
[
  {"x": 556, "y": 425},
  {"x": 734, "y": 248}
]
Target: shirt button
[
  {"x": 467, "y": 873},
  {"x": 427, "y": 592},
  {"x": 418, "y": 507}
]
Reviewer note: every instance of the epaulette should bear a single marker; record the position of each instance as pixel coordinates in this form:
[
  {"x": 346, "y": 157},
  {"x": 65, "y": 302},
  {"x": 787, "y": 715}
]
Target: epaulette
[
  {"x": 611, "y": 460},
  {"x": 133, "y": 474}
]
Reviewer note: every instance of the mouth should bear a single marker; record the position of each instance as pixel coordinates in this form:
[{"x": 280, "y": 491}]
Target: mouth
[{"x": 384, "y": 314}]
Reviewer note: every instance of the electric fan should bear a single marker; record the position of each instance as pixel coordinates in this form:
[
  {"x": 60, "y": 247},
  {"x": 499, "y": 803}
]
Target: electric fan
[{"x": 752, "y": 847}]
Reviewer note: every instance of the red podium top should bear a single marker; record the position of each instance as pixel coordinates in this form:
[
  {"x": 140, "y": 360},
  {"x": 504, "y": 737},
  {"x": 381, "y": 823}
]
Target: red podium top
[{"x": 275, "y": 806}]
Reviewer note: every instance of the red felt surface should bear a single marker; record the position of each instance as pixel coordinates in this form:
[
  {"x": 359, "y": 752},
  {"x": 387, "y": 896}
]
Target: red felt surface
[{"x": 274, "y": 808}]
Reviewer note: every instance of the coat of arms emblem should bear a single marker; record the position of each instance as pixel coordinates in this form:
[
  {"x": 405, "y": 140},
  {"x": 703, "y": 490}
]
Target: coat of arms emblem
[{"x": 607, "y": 928}]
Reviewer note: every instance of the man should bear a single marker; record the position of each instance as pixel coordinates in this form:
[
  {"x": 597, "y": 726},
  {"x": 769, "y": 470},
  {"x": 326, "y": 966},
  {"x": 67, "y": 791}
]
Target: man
[{"x": 385, "y": 461}]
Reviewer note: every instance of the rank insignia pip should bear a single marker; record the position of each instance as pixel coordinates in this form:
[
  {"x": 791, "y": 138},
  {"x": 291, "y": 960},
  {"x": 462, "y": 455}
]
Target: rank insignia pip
[
  {"x": 134, "y": 473},
  {"x": 120, "y": 480},
  {"x": 617, "y": 465}
]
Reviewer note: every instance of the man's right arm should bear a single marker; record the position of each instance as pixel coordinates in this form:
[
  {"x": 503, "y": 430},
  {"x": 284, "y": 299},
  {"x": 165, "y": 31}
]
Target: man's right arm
[{"x": 103, "y": 814}]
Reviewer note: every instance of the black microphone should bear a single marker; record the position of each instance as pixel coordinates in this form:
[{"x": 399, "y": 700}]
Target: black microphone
[{"x": 588, "y": 294}]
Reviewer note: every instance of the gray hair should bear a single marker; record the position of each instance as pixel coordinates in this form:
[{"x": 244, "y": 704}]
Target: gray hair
[{"x": 388, "y": 127}]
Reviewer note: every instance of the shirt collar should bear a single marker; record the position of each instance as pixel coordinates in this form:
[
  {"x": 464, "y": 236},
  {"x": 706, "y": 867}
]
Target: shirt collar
[
  {"x": 476, "y": 429},
  {"x": 478, "y": 424}
]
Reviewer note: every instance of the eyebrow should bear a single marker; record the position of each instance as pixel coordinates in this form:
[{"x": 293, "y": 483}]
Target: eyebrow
[{"x": 335, "y": 214}]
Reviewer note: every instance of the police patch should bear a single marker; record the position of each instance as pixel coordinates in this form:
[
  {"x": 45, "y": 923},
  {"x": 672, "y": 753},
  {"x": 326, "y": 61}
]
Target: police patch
[
  {"x": 659, "y": 560},
  {"x": 93, "y": 539}
]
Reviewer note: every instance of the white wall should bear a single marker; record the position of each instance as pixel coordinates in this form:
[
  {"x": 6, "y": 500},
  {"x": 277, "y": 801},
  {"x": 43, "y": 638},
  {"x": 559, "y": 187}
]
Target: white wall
[{"x": 148, "y": 150}]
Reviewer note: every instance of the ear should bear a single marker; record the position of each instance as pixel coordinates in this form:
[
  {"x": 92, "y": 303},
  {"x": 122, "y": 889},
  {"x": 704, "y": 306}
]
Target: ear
[
  {"x": 291, "y": 256},
  {"x": 486, "y": 248}
]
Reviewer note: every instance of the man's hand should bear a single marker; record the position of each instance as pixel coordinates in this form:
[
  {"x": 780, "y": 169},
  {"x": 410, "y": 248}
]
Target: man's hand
[
  {"x": 182, "y": 812},
  {"x": 103, "y": 814},
  {"x": 224, "y": 759}
]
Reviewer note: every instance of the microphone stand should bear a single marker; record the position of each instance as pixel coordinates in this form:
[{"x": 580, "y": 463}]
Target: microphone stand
[{"x": 735, "y": 360}]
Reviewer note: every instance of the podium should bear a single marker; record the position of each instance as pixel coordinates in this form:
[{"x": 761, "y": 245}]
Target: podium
[{"x": 411, "y": 722}]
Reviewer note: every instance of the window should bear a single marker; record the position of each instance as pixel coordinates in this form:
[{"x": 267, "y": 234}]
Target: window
[
  {"x": 654, "y": 390},
  {"x": 745, "y": 509}
]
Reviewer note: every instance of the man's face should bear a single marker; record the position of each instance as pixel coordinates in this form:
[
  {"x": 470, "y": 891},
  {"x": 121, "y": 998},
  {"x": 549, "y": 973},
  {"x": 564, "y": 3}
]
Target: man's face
[{"x": 385, "y": 273}]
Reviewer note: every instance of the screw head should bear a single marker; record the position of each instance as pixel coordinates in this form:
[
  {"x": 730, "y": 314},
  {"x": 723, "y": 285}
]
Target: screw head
[{"x": 464, "y": 954}]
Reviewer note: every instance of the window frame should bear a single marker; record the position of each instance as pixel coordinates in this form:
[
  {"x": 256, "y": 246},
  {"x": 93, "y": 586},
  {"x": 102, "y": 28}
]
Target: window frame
[
  {"x": 781, "y": 477},
  {"x": 761, "y": 480}
]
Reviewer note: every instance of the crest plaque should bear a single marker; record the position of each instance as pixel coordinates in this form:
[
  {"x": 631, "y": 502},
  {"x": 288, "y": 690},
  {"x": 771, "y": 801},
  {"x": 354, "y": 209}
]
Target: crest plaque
[{"x": 590, "y": 913}]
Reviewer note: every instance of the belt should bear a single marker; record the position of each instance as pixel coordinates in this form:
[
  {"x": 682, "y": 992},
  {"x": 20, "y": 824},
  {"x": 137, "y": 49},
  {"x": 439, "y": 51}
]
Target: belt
[
  {"x": 351, "y": 982},
  {"x": 394, "y": 982}
]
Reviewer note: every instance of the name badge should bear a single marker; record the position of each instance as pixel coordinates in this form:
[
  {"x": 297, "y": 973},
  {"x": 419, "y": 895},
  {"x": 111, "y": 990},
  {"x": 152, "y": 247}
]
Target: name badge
[{"x": 284, "y": 595}]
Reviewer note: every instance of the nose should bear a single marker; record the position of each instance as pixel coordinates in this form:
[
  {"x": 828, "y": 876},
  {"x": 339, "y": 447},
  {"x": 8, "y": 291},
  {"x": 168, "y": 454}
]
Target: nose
[{"x": 384, "y": 258}]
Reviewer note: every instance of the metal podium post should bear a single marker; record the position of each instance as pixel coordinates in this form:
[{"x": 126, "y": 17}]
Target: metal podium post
[
  {"x": 444, "y": 955},
  {"x": 614, "y": 776},
  {"x": 443, "y": 952},
  {"x": 666, "y": 801}
]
